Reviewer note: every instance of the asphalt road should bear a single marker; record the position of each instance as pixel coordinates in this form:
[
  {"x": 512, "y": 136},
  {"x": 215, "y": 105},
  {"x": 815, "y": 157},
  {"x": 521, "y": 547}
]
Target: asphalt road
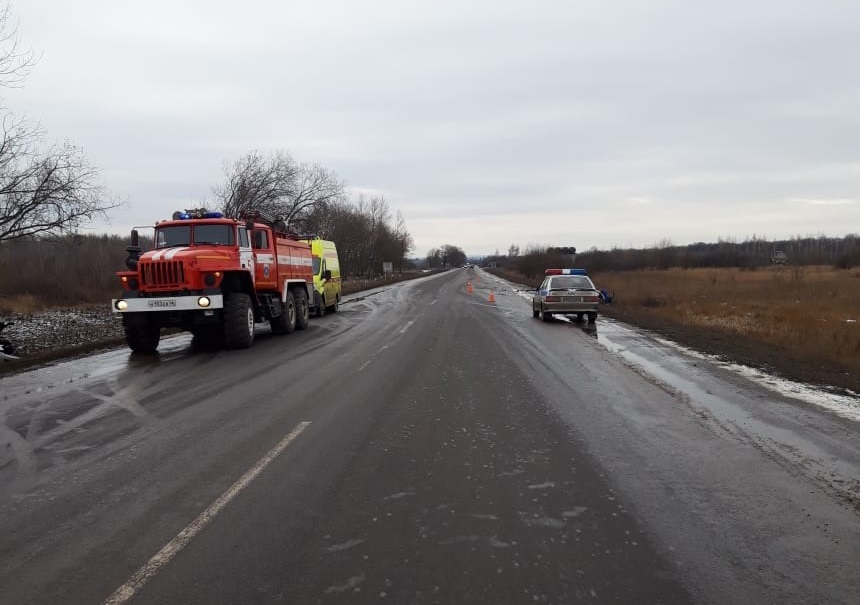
[{"x": 423, "y": 445}]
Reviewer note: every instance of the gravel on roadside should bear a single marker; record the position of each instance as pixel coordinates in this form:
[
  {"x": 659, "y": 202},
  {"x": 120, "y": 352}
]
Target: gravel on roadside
[{"x": 59, "y": 332}]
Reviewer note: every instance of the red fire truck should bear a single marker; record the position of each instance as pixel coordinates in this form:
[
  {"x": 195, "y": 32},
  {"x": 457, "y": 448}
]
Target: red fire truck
[{"x": 215, "y": 277}]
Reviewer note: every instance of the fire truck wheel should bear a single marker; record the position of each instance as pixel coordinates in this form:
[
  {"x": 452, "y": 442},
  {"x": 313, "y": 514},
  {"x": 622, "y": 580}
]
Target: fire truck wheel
[
  {"x": 239, "y": 321},
  {"x": 301, "y": 304},
  {"x": 287, "y": 320},
  {"x": 142, "y": 337}
]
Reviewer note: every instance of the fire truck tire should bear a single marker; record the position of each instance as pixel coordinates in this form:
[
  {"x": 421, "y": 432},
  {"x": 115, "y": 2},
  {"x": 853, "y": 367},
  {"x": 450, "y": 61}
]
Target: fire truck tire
[
  {"x": 142, "y": 337},
  {"x": 301, "y": 304},
  {"x": 239, "y": 321},
  {"x": 287, "y": 320},
  {"x": 320, "y": 309}
]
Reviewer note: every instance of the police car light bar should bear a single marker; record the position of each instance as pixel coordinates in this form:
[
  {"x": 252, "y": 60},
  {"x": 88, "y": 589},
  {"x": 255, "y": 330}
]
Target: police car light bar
[{"x": 566, "y": 272}]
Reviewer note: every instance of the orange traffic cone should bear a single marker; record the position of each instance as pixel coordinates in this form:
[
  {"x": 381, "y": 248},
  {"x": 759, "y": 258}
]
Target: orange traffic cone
[
  {"x": 491, "y": 296},
  {"x": 470, "y": 288}
]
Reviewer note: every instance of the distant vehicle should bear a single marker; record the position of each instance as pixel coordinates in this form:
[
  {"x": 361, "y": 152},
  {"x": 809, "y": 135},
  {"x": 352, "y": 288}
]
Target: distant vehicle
[
  {"x": 326, "y": 276},
  {"x": 779, "y": 258},
  {"x": 566, "y": 291}
]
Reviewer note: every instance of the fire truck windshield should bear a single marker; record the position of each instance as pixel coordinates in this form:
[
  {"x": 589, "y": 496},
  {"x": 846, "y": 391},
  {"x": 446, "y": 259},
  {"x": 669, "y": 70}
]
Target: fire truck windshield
[
  {"x": 214, "y": 234},
  {"x": 167, "y": 237},
  {"x": 180, "y": 235}
]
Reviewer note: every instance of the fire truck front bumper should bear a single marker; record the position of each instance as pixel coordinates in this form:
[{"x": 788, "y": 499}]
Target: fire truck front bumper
[{"x": 201, "y": 302}]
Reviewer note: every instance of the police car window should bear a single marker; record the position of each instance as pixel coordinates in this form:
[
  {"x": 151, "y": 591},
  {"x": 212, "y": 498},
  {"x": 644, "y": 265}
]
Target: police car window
[{"x": 571, "y": 281}]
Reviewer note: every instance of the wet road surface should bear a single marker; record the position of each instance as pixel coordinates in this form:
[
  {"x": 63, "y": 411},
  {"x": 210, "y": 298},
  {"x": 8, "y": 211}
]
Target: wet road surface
[{"x": 423, "y": 445}]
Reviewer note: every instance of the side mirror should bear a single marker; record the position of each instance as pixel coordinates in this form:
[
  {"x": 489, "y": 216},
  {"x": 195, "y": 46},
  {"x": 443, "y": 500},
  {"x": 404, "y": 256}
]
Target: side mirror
[
  {"x": 328, "y": 274},
  {"x": 133, "y": 251}
]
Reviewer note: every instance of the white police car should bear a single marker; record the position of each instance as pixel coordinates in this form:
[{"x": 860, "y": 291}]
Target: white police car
[{"x": 566, "y": 291}]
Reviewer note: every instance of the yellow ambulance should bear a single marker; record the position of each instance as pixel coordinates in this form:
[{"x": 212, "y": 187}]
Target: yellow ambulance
[{"x": 326, "y": 277}]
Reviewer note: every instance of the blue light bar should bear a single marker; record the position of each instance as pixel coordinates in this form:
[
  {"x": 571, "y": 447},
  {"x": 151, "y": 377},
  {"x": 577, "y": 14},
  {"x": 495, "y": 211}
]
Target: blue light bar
[{"x": 187, "y": 215}]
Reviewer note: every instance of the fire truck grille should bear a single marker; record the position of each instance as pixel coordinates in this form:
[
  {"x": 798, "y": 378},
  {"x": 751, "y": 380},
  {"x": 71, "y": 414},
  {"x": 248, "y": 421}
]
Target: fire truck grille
[{"x": 162, "y": 273}]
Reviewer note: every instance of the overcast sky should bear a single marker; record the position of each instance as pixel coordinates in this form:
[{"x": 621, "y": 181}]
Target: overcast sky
[{"x": 486, "y": 123}]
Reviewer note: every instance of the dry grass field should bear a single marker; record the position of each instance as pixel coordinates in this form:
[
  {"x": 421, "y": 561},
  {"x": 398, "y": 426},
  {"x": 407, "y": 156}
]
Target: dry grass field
[{"x": 808, "y": 314}]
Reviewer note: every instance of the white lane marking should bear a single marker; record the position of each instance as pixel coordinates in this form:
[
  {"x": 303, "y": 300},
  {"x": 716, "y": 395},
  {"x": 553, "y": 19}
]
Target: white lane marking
[
  {"x": 406, "y": 326},
  {"x": 170, "y": 550},
  {"x": 368, "y": 361},
  {"x": 433, "y": 302}
]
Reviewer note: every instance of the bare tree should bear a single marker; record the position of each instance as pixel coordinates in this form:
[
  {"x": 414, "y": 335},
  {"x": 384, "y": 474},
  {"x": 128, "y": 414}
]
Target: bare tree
[
  {"x": 15, "y": 62},
  {"x": 257, "y": 184},
  {"x": 276, "y": 187},
  {"x": 314, "y": 186},
  {"x": 42, "y": 191}
]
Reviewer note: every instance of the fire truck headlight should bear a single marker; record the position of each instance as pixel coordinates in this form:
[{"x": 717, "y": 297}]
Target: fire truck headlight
[
  {"x": 121, "y": 305},
  {"x": 209, "y": 279},
  {"x": 204, "y": 302},
  {"x": 133, "y": 284}
]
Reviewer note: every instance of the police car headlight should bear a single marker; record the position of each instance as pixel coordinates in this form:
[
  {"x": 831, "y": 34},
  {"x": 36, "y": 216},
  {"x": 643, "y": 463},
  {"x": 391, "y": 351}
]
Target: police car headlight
[
  {"x": 121, "y": 305},
  {"x": 204, "y": 302}
]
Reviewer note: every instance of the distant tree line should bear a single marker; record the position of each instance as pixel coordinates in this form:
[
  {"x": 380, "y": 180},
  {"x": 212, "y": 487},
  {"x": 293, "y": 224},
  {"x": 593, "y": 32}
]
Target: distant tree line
[
  {"x": 753, "y": 252},
  {"x": 68, "y": 269},
  {"x": 446, "y": 256}
]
